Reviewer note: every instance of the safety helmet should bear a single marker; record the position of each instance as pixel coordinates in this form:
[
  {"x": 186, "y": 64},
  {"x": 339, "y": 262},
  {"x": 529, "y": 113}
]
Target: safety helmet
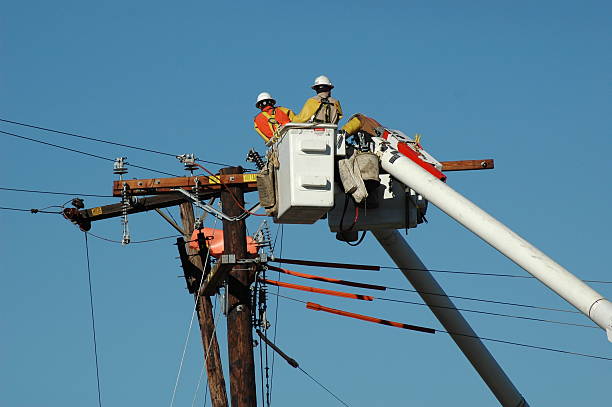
[
  {"x": 322, "y": 80},
  {"x": 264, "y": 96}
]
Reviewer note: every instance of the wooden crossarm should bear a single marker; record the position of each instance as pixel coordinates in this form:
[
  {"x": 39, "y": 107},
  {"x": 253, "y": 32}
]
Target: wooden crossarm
[{"x": 153, "y": 186}]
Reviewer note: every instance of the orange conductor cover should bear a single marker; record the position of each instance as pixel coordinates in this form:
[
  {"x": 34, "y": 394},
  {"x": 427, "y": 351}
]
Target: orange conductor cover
[
  {"x": 319, "y": 290},
  {"x": 214, "y": 239},
  {"x": 317, "y": 307}
]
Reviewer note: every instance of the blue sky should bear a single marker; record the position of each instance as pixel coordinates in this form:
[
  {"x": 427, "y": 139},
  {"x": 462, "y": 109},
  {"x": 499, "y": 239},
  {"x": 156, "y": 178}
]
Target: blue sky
[{"x": 525, "y": 83}]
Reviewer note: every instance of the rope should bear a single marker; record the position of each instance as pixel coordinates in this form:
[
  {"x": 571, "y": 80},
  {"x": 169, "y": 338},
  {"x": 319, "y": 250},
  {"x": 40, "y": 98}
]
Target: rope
[{"x": 93, "y": 320}]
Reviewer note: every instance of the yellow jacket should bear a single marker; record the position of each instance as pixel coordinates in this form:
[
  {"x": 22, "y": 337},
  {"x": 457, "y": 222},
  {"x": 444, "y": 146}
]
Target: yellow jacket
[
  {"x": 352, "y": 126},
  {"x": 312, "y": 106},
  {"x": 362, "y": 122}
]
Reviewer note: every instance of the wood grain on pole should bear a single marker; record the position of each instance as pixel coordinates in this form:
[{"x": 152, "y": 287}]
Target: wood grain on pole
[
  {"x": 239, "y": 330},
  {"x": 214, "y": 369}
]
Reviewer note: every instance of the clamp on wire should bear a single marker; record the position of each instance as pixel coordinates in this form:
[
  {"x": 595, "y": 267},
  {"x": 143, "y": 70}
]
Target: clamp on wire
[{"x": 214, "y": 212}]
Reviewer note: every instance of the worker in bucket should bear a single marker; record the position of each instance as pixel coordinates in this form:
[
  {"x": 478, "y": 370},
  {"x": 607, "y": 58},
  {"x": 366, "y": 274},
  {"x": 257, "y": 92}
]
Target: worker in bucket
[
  {"x": 360, "y": 122},
  {"x": 321, "y": 108},
  {"x": 271, "y": 117}
]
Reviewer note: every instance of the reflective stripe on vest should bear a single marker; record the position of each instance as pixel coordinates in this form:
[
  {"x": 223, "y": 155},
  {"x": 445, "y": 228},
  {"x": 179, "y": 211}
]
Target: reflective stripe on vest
[{"x": 274, "y": 118}]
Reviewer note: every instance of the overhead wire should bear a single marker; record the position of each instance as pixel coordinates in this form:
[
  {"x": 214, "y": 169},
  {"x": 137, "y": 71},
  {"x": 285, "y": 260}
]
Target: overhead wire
[
  {"x": 500, "y": 340},
  {"x": 383, "y": 288},
  {"x": 489, "y": 313},
  {"x": 53, "y": 193},
  {"x": 293, "y": 363},
  {"x": 134, "y": 242},
  {"x": 459, "y": 272},
  {"x": 4, "y": 208},
  {"x": 93, "y": 320},
  {"x": 480, "y": 273},
  {"x": 102, "y": 140},
  {"x": 512, "y": 304},
  {"x": 83, "y": 152},
  {"x": 322, "y": 386},
  {"x": 276, "y": 305},
  {"x": 372, "y": 298}
]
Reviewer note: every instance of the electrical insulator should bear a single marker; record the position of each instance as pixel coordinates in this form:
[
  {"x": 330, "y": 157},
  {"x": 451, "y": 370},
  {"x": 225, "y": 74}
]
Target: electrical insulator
[
  {"x": 188, "y": 161},
  {"x": 119, "y": 167},
  {"x": 254, "y": 157}
]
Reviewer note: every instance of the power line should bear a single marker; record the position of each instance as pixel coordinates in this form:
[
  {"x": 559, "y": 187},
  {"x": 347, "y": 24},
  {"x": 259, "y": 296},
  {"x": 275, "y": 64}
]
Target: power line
[
  {"x": 53, "y": 193},
  {"x": 134, "y": 242},
  {"x": 322, "y": 386},
  {"x": 489, "y": 313},
  {"x": 513, "y": 304},
  {"x": 93, "y": 320},
  {"x": 496, "y": 314},
  {"x": 102, "y": 141},
  {"x": 480, "y": 274},
  {"x": 500, "y": 340},
  {"x": 376, "y": 268},
  {"x": 82, "y": 152},
  {"x": 28, "y": 210},
  {"x": 282, "y": 235},
  {"x": 382, "y": 287},
  {"x": 567, "y": 352}
]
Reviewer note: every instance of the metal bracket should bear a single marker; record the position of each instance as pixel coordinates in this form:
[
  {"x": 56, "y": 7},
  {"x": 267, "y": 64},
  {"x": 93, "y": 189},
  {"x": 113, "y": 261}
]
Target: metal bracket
[
  {"x": 216, "y": 213},
  {"x": 231, "y": 259}
]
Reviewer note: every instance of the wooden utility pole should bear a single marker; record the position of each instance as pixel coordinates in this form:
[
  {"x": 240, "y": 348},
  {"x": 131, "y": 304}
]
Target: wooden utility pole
[
  {"x": 214, "y": 370},
  {"x": 239, "y": 330}
]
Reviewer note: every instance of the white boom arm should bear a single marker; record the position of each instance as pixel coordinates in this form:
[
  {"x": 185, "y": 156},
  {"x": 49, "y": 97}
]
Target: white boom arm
[
  {"x": 554, "y": 276},
  {"x": 452, "y": 320}
]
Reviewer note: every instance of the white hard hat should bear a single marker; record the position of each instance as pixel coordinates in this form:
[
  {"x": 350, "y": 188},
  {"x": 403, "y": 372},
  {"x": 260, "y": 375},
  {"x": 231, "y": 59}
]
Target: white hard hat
[
  {"x": 264, "y": 96},
  {"x": 322, "y": 80}
]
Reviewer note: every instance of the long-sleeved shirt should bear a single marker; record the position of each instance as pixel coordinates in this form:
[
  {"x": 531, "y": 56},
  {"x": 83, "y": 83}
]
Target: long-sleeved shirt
[{"x": 312, "y": 106}]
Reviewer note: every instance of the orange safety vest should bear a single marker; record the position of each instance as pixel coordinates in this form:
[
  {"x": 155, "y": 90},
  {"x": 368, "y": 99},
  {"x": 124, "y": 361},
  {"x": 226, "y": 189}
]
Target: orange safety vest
[{"x": 270, "y": 119}]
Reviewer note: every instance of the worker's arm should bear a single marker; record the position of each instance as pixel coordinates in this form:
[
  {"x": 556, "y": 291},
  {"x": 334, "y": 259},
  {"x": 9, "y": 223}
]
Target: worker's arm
[
  {"x": 352, "y": 126},
  {"x": 310, "y": 108},
  {"x": 263, "y": 136},
  {"x": 291, "y": 115},
  {"x": 339, "y": 110},
  {"x": 288, "y": 112}
]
